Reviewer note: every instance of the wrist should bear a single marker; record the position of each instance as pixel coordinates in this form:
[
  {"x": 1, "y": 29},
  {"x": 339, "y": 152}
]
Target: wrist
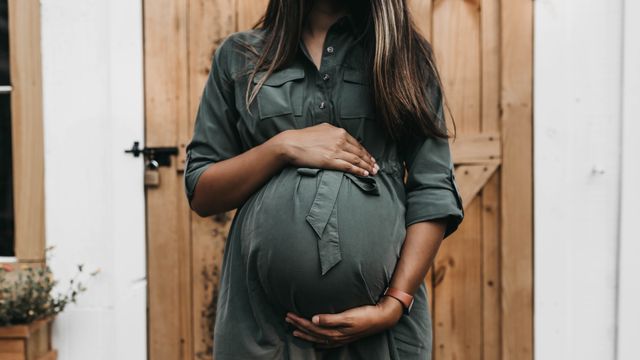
[
  {"x": 404, "y": 298},
  {"x": 392, "y": 309},
  {"x": 280, "y": 146}
]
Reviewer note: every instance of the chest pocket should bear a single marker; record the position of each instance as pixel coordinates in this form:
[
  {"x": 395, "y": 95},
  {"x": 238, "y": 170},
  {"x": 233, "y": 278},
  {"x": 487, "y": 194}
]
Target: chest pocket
[
  {"x": 356, "y": 97},
  {"x": 281, "y": 94}
]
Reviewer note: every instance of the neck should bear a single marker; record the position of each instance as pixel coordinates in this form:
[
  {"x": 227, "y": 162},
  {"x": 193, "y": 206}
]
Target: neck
[{"x": 323, "y": 14}]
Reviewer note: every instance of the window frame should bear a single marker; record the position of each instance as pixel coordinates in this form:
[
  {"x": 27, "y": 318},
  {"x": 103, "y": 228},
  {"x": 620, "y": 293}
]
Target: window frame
[{"x": 27, "y": 133}]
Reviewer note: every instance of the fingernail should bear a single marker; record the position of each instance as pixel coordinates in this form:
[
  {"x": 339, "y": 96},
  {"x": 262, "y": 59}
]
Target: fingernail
[
  {"x": 315, "y": 319},
  {"x": 366, "y": 173},
  {"x": 372, "y": 158},
  {"x": 287, "y": 320},
  {"x": 295, "y": 333}
]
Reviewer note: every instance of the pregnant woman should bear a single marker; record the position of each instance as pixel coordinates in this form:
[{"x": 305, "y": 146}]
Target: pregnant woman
[{"x": 306, "y": 125}]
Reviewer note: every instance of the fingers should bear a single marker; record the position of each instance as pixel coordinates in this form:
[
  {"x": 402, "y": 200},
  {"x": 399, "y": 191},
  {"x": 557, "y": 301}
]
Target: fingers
[
  {"x": 358, "y": 162},
  {"x": 321, "y": 337},
  {"x": 360, "y": 157},
  {"x": 332, "y": 320},
  {"x": 345, "y": 152},
  {"x": 356, "y": 147},
  {"x": 347, "y": 166},
  {"x": 310, "y": 328}
]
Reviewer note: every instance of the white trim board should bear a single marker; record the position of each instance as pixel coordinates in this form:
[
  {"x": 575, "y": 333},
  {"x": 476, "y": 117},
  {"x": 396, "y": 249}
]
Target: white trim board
[{"x": 628, "y": 330}]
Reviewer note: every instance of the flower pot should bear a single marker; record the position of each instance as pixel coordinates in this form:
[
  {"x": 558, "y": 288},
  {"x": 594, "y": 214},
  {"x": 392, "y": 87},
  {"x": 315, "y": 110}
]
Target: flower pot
[{"x": 27, "y": 342}]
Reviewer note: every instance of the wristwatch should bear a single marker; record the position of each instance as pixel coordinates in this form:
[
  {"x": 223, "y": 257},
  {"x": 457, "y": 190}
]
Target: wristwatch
[{"x": 404, "y": 298}]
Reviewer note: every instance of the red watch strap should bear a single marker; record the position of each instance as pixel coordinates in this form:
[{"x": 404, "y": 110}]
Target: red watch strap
[{"x": 402, "y": 296}]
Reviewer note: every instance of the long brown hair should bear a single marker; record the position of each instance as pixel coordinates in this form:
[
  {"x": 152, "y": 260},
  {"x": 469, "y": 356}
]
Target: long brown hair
[{"x": 402, "y": 66}]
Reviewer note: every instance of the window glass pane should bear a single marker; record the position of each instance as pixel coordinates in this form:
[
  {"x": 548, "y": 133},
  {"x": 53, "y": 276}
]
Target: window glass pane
[
  {"x": 6, "y": 178},
  {"x": 6, "y": 173},
  {"x": 4, "y": 44}
]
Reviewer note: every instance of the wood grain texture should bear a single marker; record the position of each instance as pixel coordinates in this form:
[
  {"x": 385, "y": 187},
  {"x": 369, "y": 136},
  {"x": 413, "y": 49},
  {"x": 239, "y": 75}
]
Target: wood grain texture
[
  {"x": 249, "y": 11},
  {"x": 517, "y": 185},
  {"x": 477, "y": 148},
  {"x": 169, "y": 246},
  {"x": 491, "y": 285},
  {"x": 456, "y": 41},
  {"x": 27, "y": 342},
  {"x": 458, "y": 297},
  {"x": 27, "y": 130},
  {"x": 490, "y": 195},
  {"x": 471, "y": 179},
  {"x": 209, "y": 23},
  {"x": 458, "y": 315},
  {"x": 422, "y": 14}
]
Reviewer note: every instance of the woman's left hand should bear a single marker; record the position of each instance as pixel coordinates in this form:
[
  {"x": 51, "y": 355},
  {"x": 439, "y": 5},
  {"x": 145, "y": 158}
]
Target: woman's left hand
[{"x": 333, "y": 330}]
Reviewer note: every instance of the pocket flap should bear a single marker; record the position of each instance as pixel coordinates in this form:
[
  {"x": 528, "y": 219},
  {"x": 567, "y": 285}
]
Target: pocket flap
[
  {"x": 355, "y": 76},
  {"x": 280, "y": 77}
]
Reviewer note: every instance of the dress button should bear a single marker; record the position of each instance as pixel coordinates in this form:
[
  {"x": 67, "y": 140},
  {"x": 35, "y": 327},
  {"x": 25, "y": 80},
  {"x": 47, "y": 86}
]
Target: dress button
[
  {"x": 330, "y": 49},
  {"x": 325, "y": 77},
  {"x": 322, "y": 105}
]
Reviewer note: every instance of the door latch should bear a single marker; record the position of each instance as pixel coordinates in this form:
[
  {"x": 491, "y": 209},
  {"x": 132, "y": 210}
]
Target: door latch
[
  {"x": 154, "y": 158},
  {"x": 161, "y": 155}
]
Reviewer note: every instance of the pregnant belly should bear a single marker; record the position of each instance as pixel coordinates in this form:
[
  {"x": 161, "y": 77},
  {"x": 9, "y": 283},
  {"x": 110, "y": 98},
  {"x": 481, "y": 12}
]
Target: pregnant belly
[{"x": 323, "y": 246}]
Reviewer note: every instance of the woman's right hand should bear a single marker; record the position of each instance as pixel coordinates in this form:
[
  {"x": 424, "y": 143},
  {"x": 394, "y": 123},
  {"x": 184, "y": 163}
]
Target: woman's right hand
[{"x": 328, "y": 147}]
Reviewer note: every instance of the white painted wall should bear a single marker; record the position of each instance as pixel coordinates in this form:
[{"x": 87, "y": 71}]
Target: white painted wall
[
  {"x": 585, "y": 178},
  {"x": 93, "y": 110}
]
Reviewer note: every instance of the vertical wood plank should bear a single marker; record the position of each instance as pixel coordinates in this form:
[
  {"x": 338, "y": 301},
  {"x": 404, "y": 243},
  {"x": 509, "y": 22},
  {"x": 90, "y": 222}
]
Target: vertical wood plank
[
  {"x": 491, "y": 303},
  {"x": 209, "y": 23},
  {"x": 517, "y": 188},
  {"x": 169, "y": 251},
  {"x": 490, "y": 195},
  {"x": 27, "y": 130},
  {"x": 456, "y": 40},
  {"x": 490, "y": 30},
  {"x": 458, "y": 315},
  {"x": 458, "y": 321},
  {"x": 421, "y": 11},
  {"x": 249, "y": 11}
]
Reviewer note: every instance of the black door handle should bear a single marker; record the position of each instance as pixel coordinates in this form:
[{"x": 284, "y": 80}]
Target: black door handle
[{"x": 161, "y": 154}]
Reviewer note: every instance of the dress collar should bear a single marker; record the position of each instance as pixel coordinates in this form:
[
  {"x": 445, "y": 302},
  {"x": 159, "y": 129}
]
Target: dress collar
[{"x": 348, "y": 20}]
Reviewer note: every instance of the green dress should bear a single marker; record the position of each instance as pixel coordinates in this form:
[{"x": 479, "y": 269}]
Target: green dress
[{"x": 315, "y": 240}]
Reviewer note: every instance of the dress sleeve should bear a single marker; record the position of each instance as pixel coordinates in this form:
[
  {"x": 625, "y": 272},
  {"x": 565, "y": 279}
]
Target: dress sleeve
[
  {"x": 215, "y": 135},
  {"x": 431, "y": 188}
]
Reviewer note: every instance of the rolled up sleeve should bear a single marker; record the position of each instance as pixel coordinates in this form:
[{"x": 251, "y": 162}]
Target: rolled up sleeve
[
  {"x": 215, "y": 135},
  {"x": 431, "y": 188}
]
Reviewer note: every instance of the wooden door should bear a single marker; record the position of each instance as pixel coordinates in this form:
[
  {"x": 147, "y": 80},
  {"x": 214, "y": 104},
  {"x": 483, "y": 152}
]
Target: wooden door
[
  {"x": 481, "y": 283},
  {"x": 482, "y": 279}
]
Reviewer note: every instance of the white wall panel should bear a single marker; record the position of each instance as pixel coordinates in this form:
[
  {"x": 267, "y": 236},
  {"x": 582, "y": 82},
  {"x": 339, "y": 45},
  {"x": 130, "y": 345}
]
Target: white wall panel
[
  {"x": 93, "y": 110},
  {"x": 576, "y": 139}
]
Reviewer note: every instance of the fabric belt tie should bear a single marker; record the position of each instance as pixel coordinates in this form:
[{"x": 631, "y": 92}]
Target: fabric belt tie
[{"x": 323, "y": 216}]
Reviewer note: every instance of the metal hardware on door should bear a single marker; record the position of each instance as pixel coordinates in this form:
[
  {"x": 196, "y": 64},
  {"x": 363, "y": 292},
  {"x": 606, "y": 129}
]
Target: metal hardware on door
[
  {"x": 162, "y": 154},
  {"x": 151, "y": 173}
]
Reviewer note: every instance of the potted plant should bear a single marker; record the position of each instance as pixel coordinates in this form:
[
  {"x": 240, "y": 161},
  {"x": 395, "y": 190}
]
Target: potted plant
[{"x": 28, "y": 305}]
